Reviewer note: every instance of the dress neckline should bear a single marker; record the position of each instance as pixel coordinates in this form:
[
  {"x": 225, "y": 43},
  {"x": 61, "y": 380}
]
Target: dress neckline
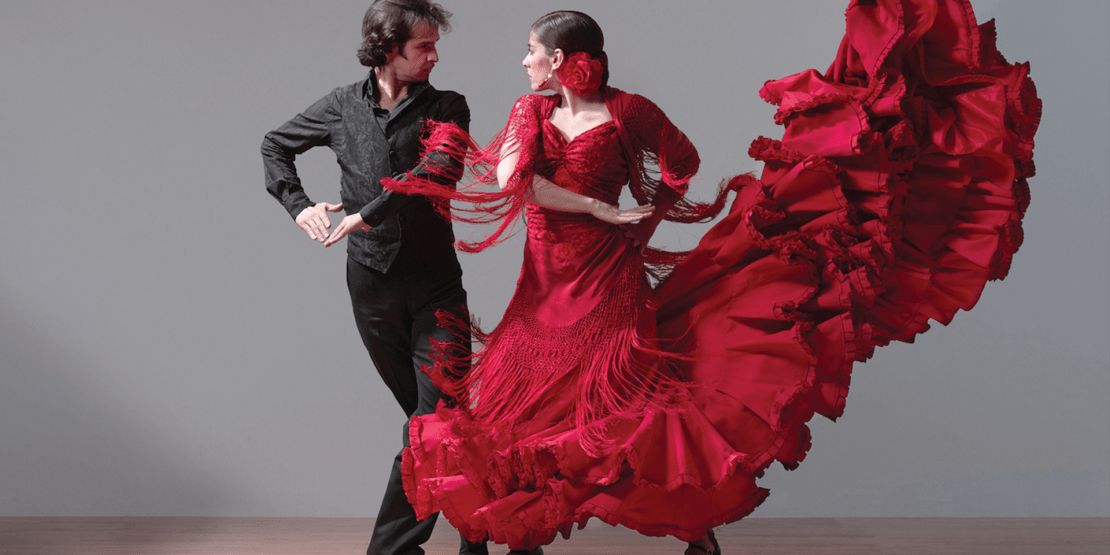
[
  {"x": 559, "y": 132},
  {"x": 565, "y": 140}
]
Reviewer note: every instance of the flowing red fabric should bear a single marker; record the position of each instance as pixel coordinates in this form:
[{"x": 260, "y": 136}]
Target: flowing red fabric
[{"x": 895, "y": 194}]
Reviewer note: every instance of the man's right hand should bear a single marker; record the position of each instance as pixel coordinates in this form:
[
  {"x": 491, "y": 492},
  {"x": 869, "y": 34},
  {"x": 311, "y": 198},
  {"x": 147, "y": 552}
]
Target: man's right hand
[{"x": 314, "y": 220}]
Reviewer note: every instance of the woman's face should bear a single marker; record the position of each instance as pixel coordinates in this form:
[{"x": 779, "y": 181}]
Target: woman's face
[{"x": 540, "y": 65}]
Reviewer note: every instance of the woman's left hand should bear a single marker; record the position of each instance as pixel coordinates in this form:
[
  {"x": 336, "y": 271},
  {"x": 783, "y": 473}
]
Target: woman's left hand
[
  {"x": 614, "y": 215},
  {"x": 640, "y": 233}
]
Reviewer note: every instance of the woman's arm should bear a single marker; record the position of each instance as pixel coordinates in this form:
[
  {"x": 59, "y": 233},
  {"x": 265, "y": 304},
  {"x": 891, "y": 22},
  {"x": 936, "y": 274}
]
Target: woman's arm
[
  {"x": 677, "y": 158},
  {"x": 549, "y": 195},
  {"x": 664, "y": 199},
  {"x": 506, "y": 164}
]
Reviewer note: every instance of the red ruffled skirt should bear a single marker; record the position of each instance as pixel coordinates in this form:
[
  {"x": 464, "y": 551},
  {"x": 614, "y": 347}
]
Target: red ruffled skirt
[{"x": 895, "y": 194}]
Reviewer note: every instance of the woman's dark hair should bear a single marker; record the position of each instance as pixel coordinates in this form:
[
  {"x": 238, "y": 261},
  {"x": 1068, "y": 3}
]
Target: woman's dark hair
[
  {"x": 573, "y": 32},
  {"x": 389, "y": 23}
]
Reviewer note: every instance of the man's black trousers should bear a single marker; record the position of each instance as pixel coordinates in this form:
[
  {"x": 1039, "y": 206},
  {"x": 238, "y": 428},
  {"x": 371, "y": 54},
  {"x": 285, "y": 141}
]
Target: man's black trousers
[{"x": 396, "y": 317}]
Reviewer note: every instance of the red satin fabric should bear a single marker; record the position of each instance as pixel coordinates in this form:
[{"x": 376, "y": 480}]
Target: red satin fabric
[{"x": 895, "y": 194}]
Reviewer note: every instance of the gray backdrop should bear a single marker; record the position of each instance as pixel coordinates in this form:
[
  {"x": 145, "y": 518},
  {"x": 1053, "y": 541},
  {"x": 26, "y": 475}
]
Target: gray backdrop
[{"x": 171, "y": 344}]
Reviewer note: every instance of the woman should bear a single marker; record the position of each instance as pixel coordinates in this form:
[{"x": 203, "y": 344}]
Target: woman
[{"x": 895, "y": 194}]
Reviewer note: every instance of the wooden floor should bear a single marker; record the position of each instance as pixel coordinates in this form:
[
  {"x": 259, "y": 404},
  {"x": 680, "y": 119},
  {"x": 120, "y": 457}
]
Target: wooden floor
[{"x": 756, "y": 536}]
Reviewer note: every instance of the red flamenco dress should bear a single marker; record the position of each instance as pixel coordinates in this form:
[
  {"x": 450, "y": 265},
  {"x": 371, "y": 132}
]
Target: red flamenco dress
[{"x": 895, "y": 194}]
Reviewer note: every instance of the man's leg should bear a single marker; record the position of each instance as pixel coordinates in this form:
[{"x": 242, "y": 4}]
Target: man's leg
[
  {"x": 385, "y": 325},
  {"x": 397, "y": 531},
  {"x": 381, "y": 309},
  {"x": 426, "y": 327}
]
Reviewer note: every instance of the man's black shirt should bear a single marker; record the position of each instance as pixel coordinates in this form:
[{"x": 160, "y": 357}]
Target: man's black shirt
[{"x": 371, "y": 143}]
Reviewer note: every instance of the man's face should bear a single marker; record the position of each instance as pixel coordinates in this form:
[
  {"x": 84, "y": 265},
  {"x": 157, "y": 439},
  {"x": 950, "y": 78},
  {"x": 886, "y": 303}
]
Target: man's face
[{"x": 413, "y": 62}]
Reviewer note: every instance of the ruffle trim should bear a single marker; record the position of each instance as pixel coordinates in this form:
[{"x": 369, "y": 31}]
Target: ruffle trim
[
  {"x": 872, "y": 277},
  {"x": 522, "y": 472}
]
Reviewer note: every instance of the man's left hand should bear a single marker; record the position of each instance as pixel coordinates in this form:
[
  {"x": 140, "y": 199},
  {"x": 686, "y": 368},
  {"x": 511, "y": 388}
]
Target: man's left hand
[{"x": 346, "y": 226}]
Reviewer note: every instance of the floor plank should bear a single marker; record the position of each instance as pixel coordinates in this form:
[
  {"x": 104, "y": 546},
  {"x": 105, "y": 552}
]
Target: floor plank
[{"x": 755, "y": 536}]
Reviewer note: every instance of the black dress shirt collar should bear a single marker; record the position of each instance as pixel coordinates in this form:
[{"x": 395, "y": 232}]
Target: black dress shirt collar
[{"x": 370, "y": 91}]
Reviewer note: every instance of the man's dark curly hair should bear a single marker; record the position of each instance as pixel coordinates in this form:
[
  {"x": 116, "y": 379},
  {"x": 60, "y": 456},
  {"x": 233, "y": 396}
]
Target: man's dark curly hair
[{"x": 389, "y": 23}]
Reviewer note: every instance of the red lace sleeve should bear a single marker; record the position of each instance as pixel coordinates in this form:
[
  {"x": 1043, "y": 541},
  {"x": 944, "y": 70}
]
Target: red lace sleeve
[
  {"x": 475, "y": 202},
  {"x": 662, "y": 155},
  {"x": 659, "y": 154},
  {"x": 660, "y": 145}
]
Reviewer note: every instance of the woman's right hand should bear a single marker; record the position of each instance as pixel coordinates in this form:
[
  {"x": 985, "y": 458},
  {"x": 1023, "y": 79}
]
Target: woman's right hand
[{"x": 614, "y": 215}]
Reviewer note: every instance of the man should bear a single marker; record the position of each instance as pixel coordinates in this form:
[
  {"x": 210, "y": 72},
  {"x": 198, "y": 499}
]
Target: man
[{"x": 401, "y": 265}]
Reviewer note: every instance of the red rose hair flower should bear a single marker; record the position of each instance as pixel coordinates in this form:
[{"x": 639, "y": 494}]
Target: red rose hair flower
[{"x": 581, "y": 74}]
